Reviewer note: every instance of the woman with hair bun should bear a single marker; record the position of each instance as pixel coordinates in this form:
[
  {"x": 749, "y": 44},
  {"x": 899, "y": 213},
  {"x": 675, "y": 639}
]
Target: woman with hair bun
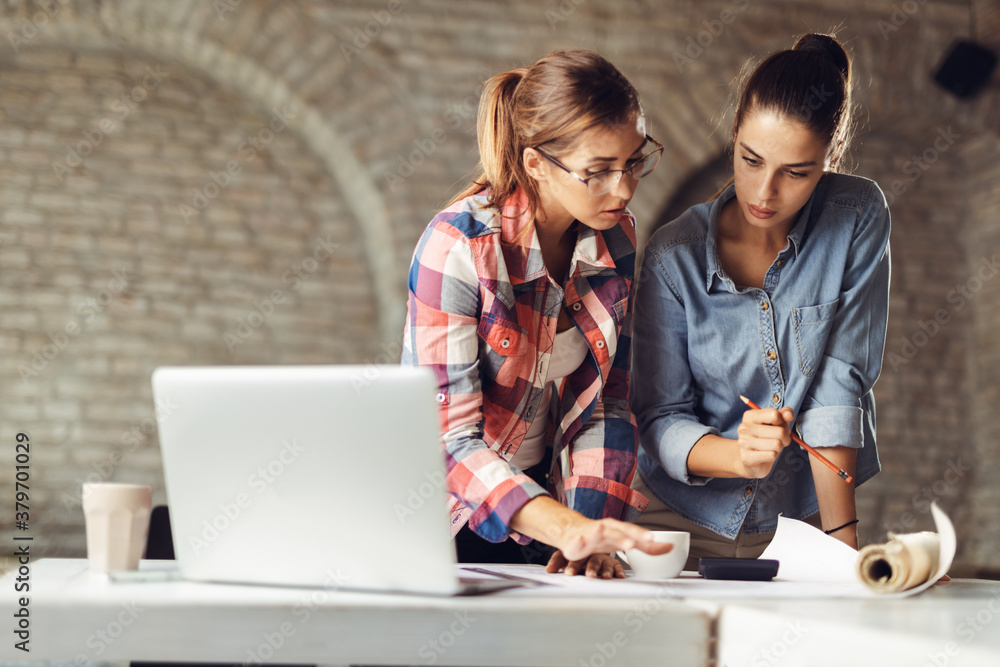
[
  {"x": 776, "y": 289},
  {"x": 520, "y": 300}
]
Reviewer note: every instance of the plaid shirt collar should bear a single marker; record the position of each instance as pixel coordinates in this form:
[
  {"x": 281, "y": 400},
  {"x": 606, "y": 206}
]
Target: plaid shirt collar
[{"x": 523, "y": 253}]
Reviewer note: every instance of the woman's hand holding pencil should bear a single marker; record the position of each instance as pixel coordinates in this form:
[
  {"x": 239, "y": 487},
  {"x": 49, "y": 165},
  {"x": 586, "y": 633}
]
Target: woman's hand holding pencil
[{"x": 763, "y": 438}]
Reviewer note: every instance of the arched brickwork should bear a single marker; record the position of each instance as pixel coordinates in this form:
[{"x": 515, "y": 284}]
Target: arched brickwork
[{"x": 384, "y": 95}]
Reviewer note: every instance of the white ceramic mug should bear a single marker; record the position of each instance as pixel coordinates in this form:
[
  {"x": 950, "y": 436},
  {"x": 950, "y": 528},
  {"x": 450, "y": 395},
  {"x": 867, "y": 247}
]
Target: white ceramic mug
[
  {"x": 117, "y": 519},
  {"x": 663, "y": 566}
]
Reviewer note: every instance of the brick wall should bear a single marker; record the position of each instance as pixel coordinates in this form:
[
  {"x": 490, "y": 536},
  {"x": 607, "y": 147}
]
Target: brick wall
[
  {"x": 980, "y": 289},
  {"x": 380, "y": 97},
  {"x": 924, "y": 431},
  {"x": 152, "y": 220}
]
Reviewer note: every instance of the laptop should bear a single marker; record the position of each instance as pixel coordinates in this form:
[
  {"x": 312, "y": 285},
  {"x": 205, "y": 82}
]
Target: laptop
[{"x": 319, "y": 476}]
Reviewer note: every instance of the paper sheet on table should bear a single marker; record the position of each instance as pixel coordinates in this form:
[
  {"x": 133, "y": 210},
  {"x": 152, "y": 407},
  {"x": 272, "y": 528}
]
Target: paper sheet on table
[
  {"x": 689, "y": 585},
  {"x": 807, "y": 554},
  {"x": 812, "y": 565}
]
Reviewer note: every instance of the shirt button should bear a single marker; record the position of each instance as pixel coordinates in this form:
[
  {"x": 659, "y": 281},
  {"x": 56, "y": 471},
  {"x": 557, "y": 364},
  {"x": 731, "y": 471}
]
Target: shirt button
[
  {"x": 776, "y": 399},
  {"x": 600, "y": 344},
  {"x": 505, "y": 343},
  {"x": 764, "y": 306},
  {"x": 771, "y": 355},
  {"x": 441, "y": 397},
  {"x": 780, "y": 262},
  {"x": 748, "y": 491},
  {"x": 577, "y": 306}
]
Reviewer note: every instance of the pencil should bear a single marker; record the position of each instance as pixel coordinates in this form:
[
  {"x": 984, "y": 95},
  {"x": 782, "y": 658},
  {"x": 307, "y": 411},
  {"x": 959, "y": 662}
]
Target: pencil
[{"x": 825, "y": 461}]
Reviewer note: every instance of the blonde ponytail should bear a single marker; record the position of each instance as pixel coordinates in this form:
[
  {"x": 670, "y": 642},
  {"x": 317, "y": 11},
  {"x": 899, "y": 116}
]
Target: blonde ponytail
[
  {"x": 548, "y": 104},
  {"x": 500, "y": 148}
]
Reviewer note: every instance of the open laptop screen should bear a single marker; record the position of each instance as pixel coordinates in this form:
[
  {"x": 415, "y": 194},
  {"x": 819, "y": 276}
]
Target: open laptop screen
[{"x": 307, "y": 475}]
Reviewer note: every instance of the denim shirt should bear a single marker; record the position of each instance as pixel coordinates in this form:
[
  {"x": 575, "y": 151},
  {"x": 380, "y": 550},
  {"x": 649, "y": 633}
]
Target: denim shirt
[{"x": 811, "y": 339}]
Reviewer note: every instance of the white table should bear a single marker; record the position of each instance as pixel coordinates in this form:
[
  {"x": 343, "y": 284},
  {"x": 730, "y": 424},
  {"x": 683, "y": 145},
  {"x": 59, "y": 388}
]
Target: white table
[
  {"x": 78, "y": 615},
  {"x": 948, "y": 625}
]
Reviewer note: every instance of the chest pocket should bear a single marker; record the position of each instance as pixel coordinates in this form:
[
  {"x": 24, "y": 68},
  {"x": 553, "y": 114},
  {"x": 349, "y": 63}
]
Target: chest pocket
[
  {"x": 502, "y": 341},
  {"x": 618, "y": 310},
  {"x": 812, "y": 326},
  {"x": 504, "y": 338}
]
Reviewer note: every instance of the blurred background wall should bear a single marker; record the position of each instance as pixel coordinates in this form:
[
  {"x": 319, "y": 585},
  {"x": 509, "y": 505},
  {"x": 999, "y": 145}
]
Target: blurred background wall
[{"x": 243, "y": 181}]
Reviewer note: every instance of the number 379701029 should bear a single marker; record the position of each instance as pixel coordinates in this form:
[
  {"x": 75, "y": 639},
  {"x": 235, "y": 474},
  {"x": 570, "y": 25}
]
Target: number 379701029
[{"x": 22, "y": 473}]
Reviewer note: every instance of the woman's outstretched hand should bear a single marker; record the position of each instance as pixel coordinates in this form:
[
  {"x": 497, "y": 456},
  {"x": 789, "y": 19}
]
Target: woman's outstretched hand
[
  {"x": 587, "y": 546},
  {"x": 584, "y": 545}
]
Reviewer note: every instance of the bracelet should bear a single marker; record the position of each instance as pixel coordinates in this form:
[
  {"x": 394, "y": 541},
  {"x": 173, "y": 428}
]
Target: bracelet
[{"x": 834, "y": 530}]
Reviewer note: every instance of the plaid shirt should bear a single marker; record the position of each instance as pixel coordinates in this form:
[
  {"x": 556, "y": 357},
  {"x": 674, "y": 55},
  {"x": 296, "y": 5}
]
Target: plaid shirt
[{"x": 482, "y": 313}]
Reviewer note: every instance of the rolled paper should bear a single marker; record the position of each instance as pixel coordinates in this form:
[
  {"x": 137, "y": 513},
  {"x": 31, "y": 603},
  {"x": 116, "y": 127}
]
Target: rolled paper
[{"x": 902, "y": 563}]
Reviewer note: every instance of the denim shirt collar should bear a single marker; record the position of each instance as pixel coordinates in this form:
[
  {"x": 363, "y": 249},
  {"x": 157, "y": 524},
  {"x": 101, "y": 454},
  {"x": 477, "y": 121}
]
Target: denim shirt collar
[{"x": 714, "y": 267}]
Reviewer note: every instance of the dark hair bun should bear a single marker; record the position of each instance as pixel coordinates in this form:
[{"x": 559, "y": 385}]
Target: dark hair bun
[{"x": 829, "y": 47}]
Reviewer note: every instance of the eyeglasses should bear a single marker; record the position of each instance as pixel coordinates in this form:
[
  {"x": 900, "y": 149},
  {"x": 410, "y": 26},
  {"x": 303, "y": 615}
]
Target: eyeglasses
[{"x": 604, "y": 182}]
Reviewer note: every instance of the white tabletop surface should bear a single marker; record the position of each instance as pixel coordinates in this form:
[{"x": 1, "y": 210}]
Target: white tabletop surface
[
  {"x": 78, "y": 615},
  {"x": 948, "y": 625}
]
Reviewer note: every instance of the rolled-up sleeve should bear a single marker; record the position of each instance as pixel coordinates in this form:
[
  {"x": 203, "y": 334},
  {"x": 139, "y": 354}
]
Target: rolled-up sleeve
[
  {"x": 832, "y": 414},
  {"x": 441, "y": 333}
]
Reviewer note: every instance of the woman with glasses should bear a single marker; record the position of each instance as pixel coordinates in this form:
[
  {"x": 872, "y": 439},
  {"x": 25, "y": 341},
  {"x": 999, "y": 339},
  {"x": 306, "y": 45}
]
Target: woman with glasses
[
  {"x": 777, "y": 290},
  {"x": 520, "y": 300}
]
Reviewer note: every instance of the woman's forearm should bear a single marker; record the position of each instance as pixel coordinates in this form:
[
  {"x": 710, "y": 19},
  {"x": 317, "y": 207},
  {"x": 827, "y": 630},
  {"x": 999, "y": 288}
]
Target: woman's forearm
[
  {"x": 714, "y": 456},
  {"x": 836, "y": 497},
  {"x": 545, "y": 519}
]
